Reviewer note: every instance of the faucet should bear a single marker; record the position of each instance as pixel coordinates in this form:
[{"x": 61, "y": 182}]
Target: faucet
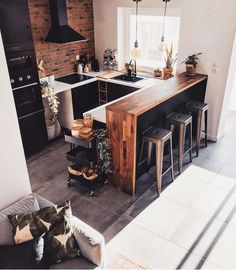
[{"x": 132, "y": 73}]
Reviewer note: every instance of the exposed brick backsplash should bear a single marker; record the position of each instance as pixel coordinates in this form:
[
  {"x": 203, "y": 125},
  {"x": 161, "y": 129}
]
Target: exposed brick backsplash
[{"x": 59, "y": 58}]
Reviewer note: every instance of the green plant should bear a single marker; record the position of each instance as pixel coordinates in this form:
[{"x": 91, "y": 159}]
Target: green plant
[
  {"x": 192, "y": 59},
  {"x": 49, "y": 93},
  {"x": 169, "y": 58},
  {"x": 103, "y": 150}
]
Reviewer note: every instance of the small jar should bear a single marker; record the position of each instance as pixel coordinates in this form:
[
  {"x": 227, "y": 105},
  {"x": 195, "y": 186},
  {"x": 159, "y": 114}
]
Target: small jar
[
  {"x": 88, "y": 120},
  {"x": 75, "y": 131}
]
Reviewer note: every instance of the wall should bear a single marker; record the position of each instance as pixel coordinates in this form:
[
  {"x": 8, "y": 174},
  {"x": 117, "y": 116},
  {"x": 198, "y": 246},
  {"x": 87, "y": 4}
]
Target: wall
[
  {"x": 230, "y": 91},
  {"x": 59, "y": 58},
  {"x": 206, "y": 26},
  {"x": 14, "y": 179},
  {"x": 231, "y": 103}
]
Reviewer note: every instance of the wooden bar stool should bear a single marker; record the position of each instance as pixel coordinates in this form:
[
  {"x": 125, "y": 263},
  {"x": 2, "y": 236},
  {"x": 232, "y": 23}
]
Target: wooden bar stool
[
  {"x": 200, "y": 109},
  {"x": 182, "y": 122},
  {"x": 158, "y": 137}
]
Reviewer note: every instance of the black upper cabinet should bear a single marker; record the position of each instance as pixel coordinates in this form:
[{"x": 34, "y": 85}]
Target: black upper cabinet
[
  {"x": 115, "y": 91},
  {"x": 15, "y": 22},
  {"x": 85, "y": 98}
]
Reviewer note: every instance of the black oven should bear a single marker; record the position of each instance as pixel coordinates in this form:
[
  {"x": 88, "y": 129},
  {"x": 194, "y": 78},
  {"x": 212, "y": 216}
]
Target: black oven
[
  {"x": 28, "y": 99},
  {"x": 22, "y": 68}
]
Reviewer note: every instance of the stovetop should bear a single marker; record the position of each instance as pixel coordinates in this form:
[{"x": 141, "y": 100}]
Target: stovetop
[{"x": 73, "y": 78}]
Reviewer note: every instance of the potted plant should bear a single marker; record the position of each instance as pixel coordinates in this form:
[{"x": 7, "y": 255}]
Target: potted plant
[
  {"x": 53, "y": 125},
  {"x": 169, "y": 61},
  {"x": 103, "y": 152},
  {"x": 157, "y": 72},
  {"x": 191, "y": 63}
]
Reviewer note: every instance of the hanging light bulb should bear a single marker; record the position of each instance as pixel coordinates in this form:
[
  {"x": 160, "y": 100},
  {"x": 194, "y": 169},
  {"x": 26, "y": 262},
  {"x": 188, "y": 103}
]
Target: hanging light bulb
[
  {"x": 163, "y": 44},
  {"x": 136, "y": 52}
]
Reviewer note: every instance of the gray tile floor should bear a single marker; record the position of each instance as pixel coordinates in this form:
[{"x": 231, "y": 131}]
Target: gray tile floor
[{"x": 110, "y": 210}]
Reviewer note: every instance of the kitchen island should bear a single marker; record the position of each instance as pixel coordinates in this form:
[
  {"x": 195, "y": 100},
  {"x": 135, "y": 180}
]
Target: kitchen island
[{"x": 128, "y": 118}]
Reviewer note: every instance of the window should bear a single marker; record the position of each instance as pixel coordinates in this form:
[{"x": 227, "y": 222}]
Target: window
[{"x": 150, "y": 25}]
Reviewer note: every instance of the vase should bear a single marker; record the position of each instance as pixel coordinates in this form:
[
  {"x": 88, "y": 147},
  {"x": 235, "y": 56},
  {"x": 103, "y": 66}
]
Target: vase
[
  {"x": 157, "y": 73},
  {"x": 167, "y": 71},
  {"x": 57, "y": 128},
  {"x": 51, "y": 129},
  {"x": 190, "y": 70}
]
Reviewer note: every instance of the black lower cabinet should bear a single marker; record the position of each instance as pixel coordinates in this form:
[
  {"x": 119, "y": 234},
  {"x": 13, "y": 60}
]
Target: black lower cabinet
[
  {"x": 115, "y": 91},
  {"x": 33, "y": 131},
  {"x": 85, "y": 98}
]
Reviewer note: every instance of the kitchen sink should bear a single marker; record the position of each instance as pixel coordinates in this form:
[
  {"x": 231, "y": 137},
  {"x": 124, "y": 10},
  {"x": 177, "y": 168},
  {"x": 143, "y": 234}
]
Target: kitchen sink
[{"x": 125, "y": 77}]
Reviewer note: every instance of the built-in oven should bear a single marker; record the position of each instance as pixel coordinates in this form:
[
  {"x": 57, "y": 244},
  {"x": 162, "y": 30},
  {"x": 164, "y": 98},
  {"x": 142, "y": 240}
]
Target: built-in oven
[
  {"x": 22, "y": 68},
  {"x": 28, "y": 99}
]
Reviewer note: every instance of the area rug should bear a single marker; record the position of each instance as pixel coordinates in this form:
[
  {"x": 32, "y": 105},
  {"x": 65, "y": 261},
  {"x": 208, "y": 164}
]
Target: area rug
[{"x": 123, "y": 262}]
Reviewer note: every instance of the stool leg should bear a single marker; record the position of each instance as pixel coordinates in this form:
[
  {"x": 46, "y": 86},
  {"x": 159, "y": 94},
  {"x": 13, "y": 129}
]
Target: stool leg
[
  {"x": 159, "y": 164},
  {"x": 141, "y": 152},
  {"x": 190, "y": 141},
  {"x": 171, "y": 159},
  {"x": 206, "y": 112},
  {"x": 150, "y": 147},
  {"x": 198, "y": 134},
  {"x": 182, "y": 132}
]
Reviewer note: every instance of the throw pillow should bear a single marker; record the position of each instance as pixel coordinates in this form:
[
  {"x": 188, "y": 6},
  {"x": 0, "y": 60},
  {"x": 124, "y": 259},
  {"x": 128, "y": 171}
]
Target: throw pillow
[
  {"x": 20, "y": 256},
  {"x": 27, "y": 204},
  {"x": 31, "y": 226},
  {"x": 60, "y": 243}
]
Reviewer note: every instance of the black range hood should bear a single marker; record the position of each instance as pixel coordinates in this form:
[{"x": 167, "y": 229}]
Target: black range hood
[{"x": 60, "y": 31}]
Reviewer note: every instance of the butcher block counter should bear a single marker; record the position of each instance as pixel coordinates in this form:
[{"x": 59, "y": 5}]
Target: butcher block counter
[{"x": 129, "y": 117}]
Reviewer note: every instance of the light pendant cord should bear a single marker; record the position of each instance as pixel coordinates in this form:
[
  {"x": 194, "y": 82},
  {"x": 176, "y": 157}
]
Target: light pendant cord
[
  {"x": 164, "y": 22},
  {"x": 136, "y": 41}
]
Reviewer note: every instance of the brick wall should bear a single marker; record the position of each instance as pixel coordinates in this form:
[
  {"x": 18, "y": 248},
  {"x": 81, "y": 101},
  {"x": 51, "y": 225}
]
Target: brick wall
[{"x": 59, "y": 58}]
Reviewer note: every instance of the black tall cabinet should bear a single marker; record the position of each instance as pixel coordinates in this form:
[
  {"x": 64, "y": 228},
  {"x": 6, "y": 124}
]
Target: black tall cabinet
[{"x": 18, "y": 43}]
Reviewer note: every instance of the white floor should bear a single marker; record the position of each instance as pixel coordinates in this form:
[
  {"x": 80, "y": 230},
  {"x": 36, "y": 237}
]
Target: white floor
[{"x": 192, "y": 225}]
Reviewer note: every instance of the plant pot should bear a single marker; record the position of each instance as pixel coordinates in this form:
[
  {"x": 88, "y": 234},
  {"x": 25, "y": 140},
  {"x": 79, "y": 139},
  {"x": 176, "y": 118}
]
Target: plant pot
[
  {"x": 51, "y": 129},
  {"x": 167, "y": 71},
  {"x": 190, "y": 70},
  {"x": 157, "y": 73},
  {"x": 57, "y": 128}
]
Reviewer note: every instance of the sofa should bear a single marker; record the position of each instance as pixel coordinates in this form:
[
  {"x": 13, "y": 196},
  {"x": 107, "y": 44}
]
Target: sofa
[{"x": 91, "y": 242}]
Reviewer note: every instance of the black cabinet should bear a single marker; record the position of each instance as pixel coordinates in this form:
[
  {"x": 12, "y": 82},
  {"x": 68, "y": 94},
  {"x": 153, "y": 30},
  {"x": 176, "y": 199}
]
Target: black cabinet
[
  {"x": 85, "y": 98},
  {"x": 115, "y": 91},
  {"x": 15, "y": 22}
]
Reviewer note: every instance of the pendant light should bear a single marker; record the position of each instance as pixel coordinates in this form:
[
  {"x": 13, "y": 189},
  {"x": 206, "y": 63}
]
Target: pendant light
[
  {"x": 136, "y": 51},
  {"x": 163, "y": 44}
]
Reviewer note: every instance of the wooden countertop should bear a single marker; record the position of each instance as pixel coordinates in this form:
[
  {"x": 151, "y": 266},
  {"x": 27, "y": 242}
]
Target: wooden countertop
[{"x": 145, "y": 100}]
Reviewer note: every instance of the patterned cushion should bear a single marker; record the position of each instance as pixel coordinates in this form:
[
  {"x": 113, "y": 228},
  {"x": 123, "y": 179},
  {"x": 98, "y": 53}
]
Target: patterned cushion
[
  {"x": 60, "y": 243},
  {"x": 26, "y": 205},
  {"x": 29, "y": 226}
]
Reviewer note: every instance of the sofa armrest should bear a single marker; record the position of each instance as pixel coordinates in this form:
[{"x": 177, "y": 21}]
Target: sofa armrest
[
  {"x": 42, "y": 201},
  {"x": 91, "y": 242}
]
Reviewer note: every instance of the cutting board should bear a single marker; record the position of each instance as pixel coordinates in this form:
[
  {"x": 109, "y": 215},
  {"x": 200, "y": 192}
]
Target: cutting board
[{"x": 108, "y": 74}]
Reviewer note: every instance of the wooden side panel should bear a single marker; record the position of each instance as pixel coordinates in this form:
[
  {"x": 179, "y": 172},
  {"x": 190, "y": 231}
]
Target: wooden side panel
[{"x": 122, "y": 134}]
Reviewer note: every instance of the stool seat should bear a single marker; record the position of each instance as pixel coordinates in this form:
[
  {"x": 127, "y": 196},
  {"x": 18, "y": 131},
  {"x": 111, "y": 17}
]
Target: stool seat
[
  {"x": 179, "y": 118},
  {"x": 195, "y": 106},
  {"x": 158, "y": 134}
]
